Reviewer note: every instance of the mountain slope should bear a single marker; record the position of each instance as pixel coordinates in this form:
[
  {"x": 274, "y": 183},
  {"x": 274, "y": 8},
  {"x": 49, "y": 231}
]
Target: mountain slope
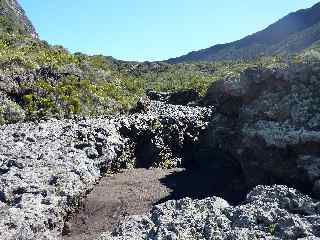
[
  {"x": 290, "y": 34},
  {"x": 14, "y": 20}
]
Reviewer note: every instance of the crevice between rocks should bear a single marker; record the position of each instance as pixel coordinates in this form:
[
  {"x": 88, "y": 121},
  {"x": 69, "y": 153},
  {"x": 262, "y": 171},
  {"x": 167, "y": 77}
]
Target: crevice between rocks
[{"x": 207, "y": 171}]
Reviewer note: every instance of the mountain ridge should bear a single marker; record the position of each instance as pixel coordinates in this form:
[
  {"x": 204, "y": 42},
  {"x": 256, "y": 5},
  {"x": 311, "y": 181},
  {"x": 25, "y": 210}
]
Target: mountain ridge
[
  {"x": 263, "y": 42},
  {"x": 13, "y": 19}
]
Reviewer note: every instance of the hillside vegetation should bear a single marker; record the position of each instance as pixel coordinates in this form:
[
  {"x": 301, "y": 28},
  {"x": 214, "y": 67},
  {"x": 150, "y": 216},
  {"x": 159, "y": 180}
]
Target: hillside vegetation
[{"x": 40, "y": 81}]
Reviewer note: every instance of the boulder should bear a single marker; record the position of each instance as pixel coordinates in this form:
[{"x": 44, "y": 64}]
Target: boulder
[
  {"x": 181, "y": 97},
  {"x": 268, "y": 120},
  {"x": 270, "y": 212}
]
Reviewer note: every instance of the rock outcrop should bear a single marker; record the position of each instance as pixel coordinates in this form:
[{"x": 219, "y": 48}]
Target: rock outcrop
[
  {"x": 46, "y": 168},
  {"x": 274, "y": 212},
  {"x": 182, "y": 97},
  {"x": 166, "y": 135},
  {"x": 268, "y": 120}
]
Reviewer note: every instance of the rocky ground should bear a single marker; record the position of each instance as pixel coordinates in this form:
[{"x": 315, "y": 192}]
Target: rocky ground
[
  {"x": 266, "y": 126},
  {"x": 136, "y": 191},
  {"x": 268, "y": 120},
  {"x": 48, "y": 167},
  {"x": 257, "y": 131},
  {"x": 275, "y": 212}
]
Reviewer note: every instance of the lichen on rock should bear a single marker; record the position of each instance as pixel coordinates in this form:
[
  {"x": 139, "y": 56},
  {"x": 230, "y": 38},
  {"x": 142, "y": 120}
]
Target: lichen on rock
[
  {"x": 270, "y": 212},
  {"x": 270, "y": 122}
]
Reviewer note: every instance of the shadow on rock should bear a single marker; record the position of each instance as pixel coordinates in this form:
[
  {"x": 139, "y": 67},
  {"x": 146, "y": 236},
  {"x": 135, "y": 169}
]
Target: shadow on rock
[{"x": 201, "y": 182}]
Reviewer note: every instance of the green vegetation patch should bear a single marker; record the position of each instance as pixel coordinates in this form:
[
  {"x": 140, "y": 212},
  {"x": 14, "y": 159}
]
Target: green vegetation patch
[{"x": 52, "y": 82}]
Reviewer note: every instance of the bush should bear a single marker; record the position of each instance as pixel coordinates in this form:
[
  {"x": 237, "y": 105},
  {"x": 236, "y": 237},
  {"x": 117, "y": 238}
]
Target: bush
[
  {"x": 10, "y": 112},
  {"x": 55, "y": 83}
]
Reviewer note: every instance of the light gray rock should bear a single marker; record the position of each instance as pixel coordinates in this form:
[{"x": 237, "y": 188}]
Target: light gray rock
[
  {"x": 270, "y": 212},
  {"x": 267, "y": 120},
  {"x": 46, "y": 168},
  {"x": 44, "y": 174}
]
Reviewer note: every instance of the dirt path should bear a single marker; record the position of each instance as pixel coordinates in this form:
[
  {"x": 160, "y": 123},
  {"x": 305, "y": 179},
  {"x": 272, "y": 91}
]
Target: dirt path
[
  {"x": 134, "y": 192},
  {"x": 128, "y": 193}
]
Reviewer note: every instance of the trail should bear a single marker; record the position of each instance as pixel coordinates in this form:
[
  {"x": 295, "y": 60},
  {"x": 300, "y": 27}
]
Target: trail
[
  {"x": 131, "y": 192},
  {"x": 135, "y": 191}
]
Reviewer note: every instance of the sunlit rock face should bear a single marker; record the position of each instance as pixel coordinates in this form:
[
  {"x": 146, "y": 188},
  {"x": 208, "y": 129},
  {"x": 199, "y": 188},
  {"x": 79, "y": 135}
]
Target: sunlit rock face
[
  {"x": 14, "y": 20},
  {"x": 275, "y": 212},
  {"x": 268, "y": 121},
  {"x": 46, "y": 168}
]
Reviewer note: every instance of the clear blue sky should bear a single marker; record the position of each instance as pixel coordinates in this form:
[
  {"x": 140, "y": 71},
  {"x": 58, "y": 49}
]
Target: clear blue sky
[{"x": 150, "y": 29}]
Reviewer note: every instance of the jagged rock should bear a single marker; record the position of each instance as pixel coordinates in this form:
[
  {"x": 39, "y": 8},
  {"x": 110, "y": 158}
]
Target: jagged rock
[
  {"x": 182, "y": 97},
  {"x": 44, "y": 173},
  {"x": 264, "y": 125},
  {"x": 166, "y": 135},
  {"x": 270, "y": 212},
  {"x": 157, "y": 96},
  {"x": 47, "y": 167},
  {"x": 267, "y": 119}
]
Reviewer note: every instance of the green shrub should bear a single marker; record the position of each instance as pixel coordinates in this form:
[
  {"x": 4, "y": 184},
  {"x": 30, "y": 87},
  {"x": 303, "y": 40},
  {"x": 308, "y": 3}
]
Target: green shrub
[
  {"x": 99, "y": 85},
  {"x": 10, "y": 112}
]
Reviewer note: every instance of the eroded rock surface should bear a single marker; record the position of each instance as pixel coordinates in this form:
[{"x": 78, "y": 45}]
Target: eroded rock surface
[
  {"x": 274, "y": 212},
  {"x": 268, "y": 121},
  {"x": 182, "y": 97},
  {"x": 264, "y": 129},
  {"x": 47, "y": 167}
]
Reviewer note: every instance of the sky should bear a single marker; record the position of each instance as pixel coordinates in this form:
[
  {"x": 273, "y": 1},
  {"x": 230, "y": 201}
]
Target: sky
[{"x": 151, "y": 30}]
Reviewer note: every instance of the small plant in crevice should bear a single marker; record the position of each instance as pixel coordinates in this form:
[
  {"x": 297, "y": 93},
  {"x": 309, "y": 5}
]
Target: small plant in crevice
[
  {"x": 272, "y": 228},
  {"x": 156, "y": 125},
  {"x": 166, "y": 160}
]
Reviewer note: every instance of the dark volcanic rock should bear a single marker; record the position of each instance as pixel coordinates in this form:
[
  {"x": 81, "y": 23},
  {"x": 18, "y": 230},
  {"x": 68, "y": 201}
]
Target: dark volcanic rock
[
  {"x": 268, "y": 121},
  {"x": 166, "y": 135},
  {"x": 158, "y": 96},
  {"x": 181, "y": 97}
]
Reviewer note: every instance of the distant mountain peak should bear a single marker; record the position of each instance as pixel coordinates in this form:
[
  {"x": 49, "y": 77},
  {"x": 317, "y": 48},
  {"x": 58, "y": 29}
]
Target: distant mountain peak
[
  {"x": 14, "y": 20},
  {"x": 291, "y": 34}
]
